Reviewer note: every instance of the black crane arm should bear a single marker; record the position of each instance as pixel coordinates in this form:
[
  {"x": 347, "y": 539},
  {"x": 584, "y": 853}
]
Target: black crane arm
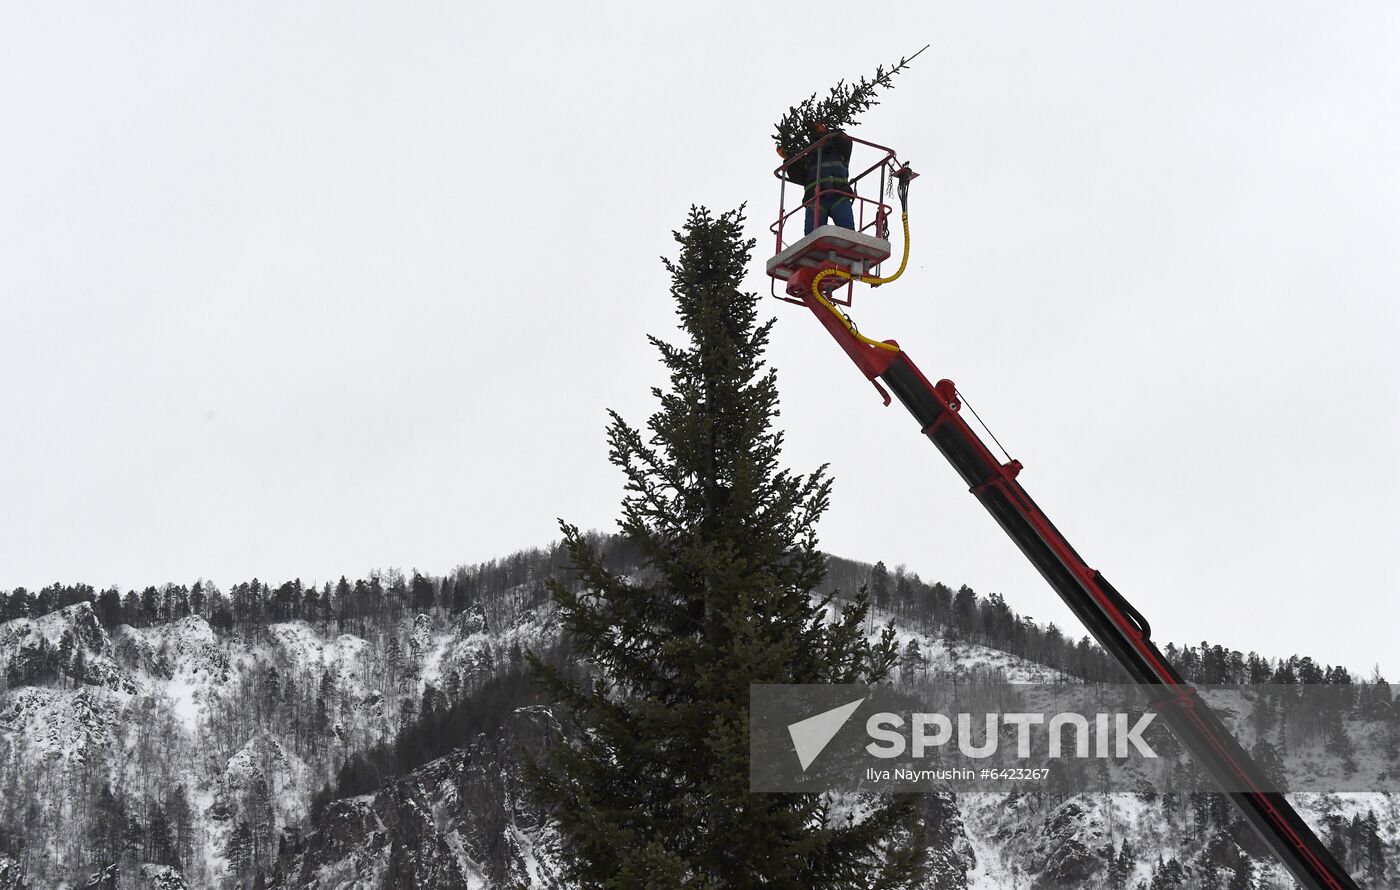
[{"x": 1119, "y": 628}]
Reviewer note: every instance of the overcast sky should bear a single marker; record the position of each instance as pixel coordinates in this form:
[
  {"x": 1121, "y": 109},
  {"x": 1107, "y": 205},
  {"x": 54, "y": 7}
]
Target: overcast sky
[{"x": 305, "y": 289}]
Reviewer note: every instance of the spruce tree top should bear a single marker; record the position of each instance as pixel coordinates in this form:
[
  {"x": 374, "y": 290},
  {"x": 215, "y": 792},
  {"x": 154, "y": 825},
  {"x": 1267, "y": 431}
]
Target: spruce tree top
[{"x": 841, "y": 106}]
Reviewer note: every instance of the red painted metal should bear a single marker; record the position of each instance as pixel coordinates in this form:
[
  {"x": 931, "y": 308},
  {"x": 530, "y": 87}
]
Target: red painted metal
[{"x": 872, "y": 360}]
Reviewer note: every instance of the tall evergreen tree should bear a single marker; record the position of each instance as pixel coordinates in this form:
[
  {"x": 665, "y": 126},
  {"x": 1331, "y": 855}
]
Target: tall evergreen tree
[
  {"x": 79, "y": 670},
  {"x": 653, "y": 791},
  {"x": 239, "y": 849},
  {"x": 1374, "y": 847},
  {"x": 20, "y": 604},
  {"x": 108, "y": 826},
  {"x": 912, "y": 661},
  {"x": 1243, "y": 878},
  {"x": 131, "y": 609},
  {"x": 182, "y": 824},
  {"x": 160, "y": 839},
  {"x": 424, "y": 597},
  {"x": 1121, "y": 868},
  {"x": 109, "y": 608},
  {"x": 880, "y": 585},
  {"x": 1266, "y": 756}
]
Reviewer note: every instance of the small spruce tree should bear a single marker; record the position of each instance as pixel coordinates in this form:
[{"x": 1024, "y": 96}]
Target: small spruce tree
[
  {"x": 239, "y": 849},
  {"x": 652, "y": 791},
  {"x": 840, "y": 107},
  {"x": 1122, "y": 866},
  {"x": 1243, "y": 878}
]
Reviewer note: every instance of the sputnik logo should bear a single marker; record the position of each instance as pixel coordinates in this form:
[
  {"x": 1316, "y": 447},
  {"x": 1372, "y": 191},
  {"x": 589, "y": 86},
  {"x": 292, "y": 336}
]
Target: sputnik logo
[{"x": 811, "y": 736}]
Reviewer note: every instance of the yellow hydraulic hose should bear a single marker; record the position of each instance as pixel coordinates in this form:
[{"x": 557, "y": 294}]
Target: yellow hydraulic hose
[
  {"x": 871, "y": 280},
  {"x": 904, "y": 260}
]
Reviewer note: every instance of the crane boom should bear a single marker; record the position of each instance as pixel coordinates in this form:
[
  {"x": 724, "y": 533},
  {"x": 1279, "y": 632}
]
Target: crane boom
[{"x": 1119, "y": 628}]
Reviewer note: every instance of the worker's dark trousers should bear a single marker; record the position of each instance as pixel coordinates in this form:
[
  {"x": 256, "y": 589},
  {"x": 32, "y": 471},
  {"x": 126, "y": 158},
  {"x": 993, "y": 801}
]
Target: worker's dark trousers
[{"x": 832, "y": 204}]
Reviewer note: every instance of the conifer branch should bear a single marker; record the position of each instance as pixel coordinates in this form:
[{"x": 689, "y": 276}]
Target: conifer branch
[{"x": 838, "y": 109}]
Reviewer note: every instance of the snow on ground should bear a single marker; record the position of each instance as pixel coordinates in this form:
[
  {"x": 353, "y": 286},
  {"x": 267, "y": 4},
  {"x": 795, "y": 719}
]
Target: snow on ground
[
  {"x": 297, "y": 639},
  {"x": 288, "y": 779},
  {"x": 471, "y": 645},
  {"x": 51, "y": 627},
  {"x": 69, "y": 725},
  {"x": 961, "y": 658},
  {"x": 350, "y": 661},
  {"x": 185, "y": 702},
  {"x": 981, "y": 814},
  {"x": 1011, "y": 834},
  {"x": 956, "y": 657},
  {"x": 181, "y": 662},
  {"x": 78, "y": 623}
]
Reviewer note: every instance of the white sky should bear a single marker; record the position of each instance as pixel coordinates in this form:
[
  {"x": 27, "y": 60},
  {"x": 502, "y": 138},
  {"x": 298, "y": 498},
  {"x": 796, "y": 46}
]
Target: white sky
[{"x": 306, "y": 289}]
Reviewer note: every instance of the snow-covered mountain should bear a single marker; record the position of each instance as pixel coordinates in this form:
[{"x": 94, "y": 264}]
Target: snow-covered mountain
[
  {"x": 179, "y": 755},
  {"x": 462, "y": 820},
  {"x": 220, "y": 741}
]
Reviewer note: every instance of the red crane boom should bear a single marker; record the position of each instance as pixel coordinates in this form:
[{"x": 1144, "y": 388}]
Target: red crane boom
[{"x": 1119, "y": 628}]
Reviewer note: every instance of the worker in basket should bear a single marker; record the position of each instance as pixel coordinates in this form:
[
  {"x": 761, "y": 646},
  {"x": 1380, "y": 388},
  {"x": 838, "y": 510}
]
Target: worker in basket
[{"x": 825, "y": 178}]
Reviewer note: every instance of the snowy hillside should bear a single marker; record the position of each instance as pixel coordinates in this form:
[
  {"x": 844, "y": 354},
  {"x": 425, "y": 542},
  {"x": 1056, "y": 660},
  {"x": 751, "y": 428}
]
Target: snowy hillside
[
  {"x": 331, "y": 743},
  {"x": 221, "y": 741}
]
